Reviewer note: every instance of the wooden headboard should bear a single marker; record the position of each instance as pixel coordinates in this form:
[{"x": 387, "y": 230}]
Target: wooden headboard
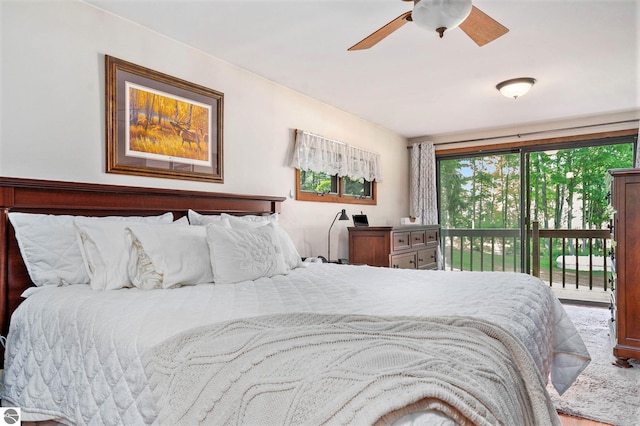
[{"x": 53, "y": 197}]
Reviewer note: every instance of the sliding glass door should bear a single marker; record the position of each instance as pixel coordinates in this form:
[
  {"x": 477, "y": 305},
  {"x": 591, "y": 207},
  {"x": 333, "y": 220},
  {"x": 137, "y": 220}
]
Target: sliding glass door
[
  {"x": 489, "y": 201},
  {"x": 480, "y": 214},
  {"x": 567, "y": 200}
]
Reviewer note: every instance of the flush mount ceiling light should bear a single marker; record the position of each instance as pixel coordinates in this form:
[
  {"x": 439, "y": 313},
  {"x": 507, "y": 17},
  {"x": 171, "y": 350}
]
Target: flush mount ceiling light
[
  {"x": 440, "y": 15},
  {"x": 516, "y": 87}
]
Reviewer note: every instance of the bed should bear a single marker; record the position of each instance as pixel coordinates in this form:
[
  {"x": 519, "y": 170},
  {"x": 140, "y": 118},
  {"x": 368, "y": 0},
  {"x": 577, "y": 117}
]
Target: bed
[{"x": 299, "y": 343}]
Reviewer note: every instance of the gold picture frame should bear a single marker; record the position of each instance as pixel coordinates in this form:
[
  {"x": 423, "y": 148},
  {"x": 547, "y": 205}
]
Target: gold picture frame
[{"x": 161, "y": 126}]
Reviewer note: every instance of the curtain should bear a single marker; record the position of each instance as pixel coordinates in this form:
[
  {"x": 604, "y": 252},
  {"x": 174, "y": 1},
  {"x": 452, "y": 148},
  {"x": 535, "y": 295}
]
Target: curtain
[
  {"x": 424, "y": 191},
  {"x": 322, "y": 155},
  {"x": 364, "y": 164},
  {"x": 424, "y": 196}
]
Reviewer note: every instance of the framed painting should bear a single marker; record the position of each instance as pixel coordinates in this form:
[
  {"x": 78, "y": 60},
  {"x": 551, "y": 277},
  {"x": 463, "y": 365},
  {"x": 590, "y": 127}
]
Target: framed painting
[{"x": 161, "y": 126}]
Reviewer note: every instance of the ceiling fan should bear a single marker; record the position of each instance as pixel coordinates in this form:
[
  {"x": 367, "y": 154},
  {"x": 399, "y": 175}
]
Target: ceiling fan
[{"x": 440, "y": 16}]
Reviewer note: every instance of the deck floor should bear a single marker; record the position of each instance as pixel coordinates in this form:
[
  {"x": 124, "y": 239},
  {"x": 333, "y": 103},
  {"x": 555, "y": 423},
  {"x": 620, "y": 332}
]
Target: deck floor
[{"x": 582, "y": 293}]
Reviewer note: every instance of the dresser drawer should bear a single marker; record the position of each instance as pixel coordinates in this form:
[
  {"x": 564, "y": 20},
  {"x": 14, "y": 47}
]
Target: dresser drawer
[
  {"x": 401, "y": 241},
  {"x": 432, "y": 237},
  {"x": 403, "y": 261},
  {"x": 418, "y": 239},
  {"x": 427, "y": 258}
]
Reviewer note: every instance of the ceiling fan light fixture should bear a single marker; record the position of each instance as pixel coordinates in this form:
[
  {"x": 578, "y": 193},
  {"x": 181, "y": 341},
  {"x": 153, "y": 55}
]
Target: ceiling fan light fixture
[
  {"x": 516, "y": 87},
  {"x": 440, "y": 15}
]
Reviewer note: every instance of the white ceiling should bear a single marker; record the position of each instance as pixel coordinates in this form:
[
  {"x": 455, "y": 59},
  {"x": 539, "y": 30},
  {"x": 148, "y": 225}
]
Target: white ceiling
[{"x": 585, "y": 55}]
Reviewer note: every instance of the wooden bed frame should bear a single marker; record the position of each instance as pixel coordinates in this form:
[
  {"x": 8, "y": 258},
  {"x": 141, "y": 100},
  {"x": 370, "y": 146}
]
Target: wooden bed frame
[{"x": 54, "y": 197}]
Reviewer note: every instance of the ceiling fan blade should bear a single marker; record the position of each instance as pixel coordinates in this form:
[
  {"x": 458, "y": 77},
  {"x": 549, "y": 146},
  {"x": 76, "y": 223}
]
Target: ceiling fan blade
[
  {"x": 383, "y": 32},
  {"x": 481, "y": 27}
]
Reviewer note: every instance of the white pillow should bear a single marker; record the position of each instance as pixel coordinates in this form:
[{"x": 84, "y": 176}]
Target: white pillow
[
  {"x": 105, "y": 252},
  {"x": 196, "y": 218},
  {"x": 49, "y": 245},
  {"x": 292, "y": 258},
  {"x": 242, "y": 255},
  {"x": 262, "y": 220},
  {"x": 181, "y": 221},
  {"x": 168, "y": 256}
]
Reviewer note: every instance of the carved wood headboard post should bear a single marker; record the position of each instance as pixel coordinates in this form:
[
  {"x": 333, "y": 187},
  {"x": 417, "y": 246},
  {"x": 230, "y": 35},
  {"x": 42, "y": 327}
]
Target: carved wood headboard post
[
  {"x": 55, "y": 197},
  {"x": 4, "y": 265},
  {"x": 6, "y": 201}
]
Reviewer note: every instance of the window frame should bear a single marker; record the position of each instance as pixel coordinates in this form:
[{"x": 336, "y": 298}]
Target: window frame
[{"x": 335, "y": 198}]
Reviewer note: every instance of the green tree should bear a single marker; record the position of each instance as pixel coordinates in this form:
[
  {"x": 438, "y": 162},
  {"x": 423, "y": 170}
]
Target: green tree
[{"x": 454, "y": 197}]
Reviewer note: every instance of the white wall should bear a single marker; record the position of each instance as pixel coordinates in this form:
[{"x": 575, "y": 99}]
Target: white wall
[{"x": 52, "y": 116}]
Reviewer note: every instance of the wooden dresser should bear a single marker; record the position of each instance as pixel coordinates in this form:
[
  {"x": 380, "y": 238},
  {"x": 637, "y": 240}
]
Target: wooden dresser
[
  {"x": 625, "y": 199},
  {"x": 407, "y": 247}
]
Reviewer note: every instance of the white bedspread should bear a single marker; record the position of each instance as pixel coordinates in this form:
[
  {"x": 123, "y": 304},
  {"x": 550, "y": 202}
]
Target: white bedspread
[{"x": 75, "y": 354}]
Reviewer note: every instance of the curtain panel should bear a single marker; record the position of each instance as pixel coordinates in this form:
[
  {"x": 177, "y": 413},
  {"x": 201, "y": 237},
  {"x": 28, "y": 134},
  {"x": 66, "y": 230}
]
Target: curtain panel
[
  {"x": 424, "y": 190},
  {"x": 322, "y": 155},
  {"x": 424, "y": 196}
]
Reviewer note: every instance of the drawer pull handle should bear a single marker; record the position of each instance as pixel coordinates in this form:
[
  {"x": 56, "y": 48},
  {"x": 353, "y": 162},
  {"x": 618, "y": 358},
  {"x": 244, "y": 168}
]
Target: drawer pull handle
[
  {"x": 420, "y": 260},
  {"x": 401, "y": 241},
  {"x": 411, "y": 262}
]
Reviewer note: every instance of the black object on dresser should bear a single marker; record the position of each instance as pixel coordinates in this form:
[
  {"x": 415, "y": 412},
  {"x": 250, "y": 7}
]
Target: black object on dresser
[
  {"x": 625, "y": 199},
  {"x": 406, "y": 247}
]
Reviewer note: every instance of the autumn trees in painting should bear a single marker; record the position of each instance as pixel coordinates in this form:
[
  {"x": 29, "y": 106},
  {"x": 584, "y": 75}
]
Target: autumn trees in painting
[{"x": 168, "y": 126}]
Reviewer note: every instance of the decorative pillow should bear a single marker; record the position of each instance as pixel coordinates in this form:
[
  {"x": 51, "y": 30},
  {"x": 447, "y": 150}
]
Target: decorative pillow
[
  {"x": 168, "y": 256},
  {"x": 242, "y": 255},
  {"x": 49, "y": 245},
  {"x": 292, "y": 258}
]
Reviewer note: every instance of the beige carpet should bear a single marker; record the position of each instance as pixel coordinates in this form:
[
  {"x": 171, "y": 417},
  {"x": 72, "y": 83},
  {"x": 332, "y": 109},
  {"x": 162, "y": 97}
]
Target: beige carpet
[{"x": 603, "y": 391}]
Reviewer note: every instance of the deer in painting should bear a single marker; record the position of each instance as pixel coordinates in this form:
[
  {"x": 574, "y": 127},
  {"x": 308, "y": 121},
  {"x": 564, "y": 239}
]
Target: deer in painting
[{"x": 188, "y": 136}]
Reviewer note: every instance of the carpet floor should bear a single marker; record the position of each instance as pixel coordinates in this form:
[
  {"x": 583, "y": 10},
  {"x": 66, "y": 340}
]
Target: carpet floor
[{"x": 603, "y": 391}]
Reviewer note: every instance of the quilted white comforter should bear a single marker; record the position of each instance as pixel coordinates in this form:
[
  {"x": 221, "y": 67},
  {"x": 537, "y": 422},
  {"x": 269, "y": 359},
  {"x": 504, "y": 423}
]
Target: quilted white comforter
[{"x": 74, "y": 354}]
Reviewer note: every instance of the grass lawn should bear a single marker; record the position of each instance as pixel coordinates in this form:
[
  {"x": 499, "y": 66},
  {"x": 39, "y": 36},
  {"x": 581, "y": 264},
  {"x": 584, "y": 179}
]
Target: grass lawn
[{"x": 498, "y": 262}]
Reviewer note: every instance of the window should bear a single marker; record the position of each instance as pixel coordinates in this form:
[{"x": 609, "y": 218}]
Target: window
[
  {"x": 334, "y": 172},
  {"x": 320, "y": 183},
  {"x": 312, "y": 186},
  {"x": 360, "y": 188}
]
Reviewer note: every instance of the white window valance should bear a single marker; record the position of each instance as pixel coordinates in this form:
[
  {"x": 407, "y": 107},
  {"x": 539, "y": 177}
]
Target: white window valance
[{"x": 322, "y": 155}]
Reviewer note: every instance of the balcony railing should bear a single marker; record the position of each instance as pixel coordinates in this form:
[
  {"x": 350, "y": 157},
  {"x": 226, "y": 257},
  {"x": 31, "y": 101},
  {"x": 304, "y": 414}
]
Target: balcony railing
[
  {"x": 586, "y": 251},
  {"x": 481, "y": 249},
  {"x": 558, "y": 256}
]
